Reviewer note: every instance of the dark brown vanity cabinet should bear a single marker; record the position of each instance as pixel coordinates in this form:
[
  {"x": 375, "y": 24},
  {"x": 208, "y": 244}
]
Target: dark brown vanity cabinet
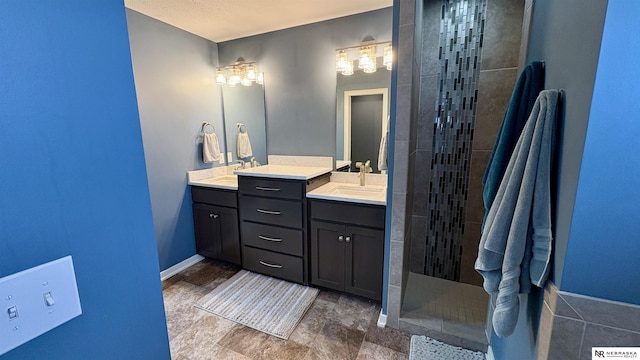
[
  {"x": 215, "y": 217},
  {"x": 273, "y": 215},
  {"x": 347, "y": 247}
]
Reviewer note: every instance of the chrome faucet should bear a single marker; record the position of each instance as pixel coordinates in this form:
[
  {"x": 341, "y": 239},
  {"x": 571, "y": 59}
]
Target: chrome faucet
[
  {"x": 254, "y": 163},
  {"x": 364, "y": 168},
  {"x": 241, "y": 166}
]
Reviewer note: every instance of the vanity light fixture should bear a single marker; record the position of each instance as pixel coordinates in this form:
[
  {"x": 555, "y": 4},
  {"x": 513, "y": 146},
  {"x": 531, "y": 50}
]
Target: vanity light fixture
[
  {"x": 366, "y": 53},
  {"x": 240, "y": 72},
  {"x": 387, "y": 57}
]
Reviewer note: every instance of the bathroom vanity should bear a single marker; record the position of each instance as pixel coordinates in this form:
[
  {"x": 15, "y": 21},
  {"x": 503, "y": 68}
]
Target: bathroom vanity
[
  {"x": 300, "y": 223},
  {"x": 273, "y": 218}
]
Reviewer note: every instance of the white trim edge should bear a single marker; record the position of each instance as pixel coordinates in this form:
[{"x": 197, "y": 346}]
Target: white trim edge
[
  {"x": 489, "y": 354},
  {"x": 382, "y": 320},
  {"x": 182, "y": 265}
]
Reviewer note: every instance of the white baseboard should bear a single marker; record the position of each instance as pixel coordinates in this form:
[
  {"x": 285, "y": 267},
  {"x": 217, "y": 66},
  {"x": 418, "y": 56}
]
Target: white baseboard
[
  {"x": 382, "y": 320},
  {"x": 490, "y": 353},
  {"x": 182, "y": 265}
]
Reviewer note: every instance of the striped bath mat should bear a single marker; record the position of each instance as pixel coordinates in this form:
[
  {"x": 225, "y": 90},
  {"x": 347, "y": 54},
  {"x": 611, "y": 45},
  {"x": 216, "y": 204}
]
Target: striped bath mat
[{"x": 260, "y": 302}]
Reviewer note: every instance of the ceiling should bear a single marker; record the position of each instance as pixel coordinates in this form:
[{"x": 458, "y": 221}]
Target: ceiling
[{"x": 222, "y": 20}]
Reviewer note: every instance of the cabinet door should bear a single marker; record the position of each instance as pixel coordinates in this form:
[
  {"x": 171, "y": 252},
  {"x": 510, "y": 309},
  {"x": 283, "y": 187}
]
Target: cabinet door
[
  {"x": 216, "y": 230},
  {"x": 327, "y": 255},
  {"x": 364, "y": 261}
]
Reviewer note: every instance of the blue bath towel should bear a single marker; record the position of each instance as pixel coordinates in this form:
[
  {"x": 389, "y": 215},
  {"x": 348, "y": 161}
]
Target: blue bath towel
[
  {"x": 515, "y": 247},
  {"x": 524, "y": 95}
]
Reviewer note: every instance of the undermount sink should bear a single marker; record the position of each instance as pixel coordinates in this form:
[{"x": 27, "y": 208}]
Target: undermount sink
[{"x": 357, "y": 191}]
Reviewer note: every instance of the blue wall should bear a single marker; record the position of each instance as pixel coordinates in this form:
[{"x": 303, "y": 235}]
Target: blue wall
[
  {"x": 174, "y": 77},
  {"x": 603, "y": 257},
  {"x": 73, "y": 176},
  {"x": 300, "y": 78}
]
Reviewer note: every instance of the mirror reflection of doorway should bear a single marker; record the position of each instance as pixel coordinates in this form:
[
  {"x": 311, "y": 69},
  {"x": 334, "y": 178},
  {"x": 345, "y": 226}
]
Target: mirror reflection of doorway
[{"x": 365, "y": 122}]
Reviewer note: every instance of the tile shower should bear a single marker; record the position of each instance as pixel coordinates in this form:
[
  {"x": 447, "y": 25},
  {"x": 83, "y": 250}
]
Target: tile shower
[{"x": 462, "y": 71}]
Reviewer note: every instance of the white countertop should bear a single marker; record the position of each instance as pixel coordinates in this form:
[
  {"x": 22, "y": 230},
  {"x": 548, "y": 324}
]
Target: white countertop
[
  {"x": 346, "y": 187},
  {"x": 284, "y": 171},
  {"x": 219, "y": 177}
]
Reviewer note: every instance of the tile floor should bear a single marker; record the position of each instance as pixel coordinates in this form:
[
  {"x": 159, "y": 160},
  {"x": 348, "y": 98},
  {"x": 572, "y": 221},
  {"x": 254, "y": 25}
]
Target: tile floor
[{"x": 337, "y": 326}]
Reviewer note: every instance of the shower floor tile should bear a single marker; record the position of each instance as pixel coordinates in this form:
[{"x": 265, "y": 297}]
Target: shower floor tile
[{"x": 447, "y": 306}]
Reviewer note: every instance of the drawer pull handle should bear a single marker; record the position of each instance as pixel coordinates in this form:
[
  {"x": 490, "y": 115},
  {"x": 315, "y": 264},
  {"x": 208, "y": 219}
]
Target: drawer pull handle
[
  {"x": 269, "y": 212},
  {"x": 269, "y": 238},
  {"x": 266, "y": 188},
  {"x": 270, "y": 265}
]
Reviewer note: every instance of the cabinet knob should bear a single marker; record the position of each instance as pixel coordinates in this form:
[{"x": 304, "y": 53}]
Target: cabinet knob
[
  {"x": 340, "y": 238},
  {"x": 348, "y": 239},
  {"x": 215, "y": 216}
]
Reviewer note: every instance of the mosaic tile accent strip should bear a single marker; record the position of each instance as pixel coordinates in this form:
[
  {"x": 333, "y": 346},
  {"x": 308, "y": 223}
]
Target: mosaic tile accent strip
[{"x": 461, "y": 37}]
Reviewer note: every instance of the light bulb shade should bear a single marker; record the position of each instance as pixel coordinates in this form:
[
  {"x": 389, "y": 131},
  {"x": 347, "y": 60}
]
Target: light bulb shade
[
  {"x": 348, "y": 70},
  {"x": 250, "y": 70},
  {"x": 221, "y": 79},
  {"x": 387, "y": 56},
  {"x": 371, "y": 66},
  {"x": 367, "y": 55},
  {"x": 342, "y": 60},
  {"x": 260, "y": 79},
  {"x": 235, "y": 79},
  {"x": 245, "y": 81}
]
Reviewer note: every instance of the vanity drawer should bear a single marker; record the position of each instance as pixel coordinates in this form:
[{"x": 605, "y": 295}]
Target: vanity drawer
[
  {"x": 357, "y": 214},
  {"x": 277, "y": 188},
  {"x": 282, "y": 266},
  {"x": 272, "y": 238},
  {"x": 271, "y": 211},
  {"x": 211, "y": 196}
]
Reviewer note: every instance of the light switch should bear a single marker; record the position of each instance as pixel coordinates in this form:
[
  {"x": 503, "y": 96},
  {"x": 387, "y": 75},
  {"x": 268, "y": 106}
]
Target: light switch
[
  {"x": 48, "y": 299},
  {"x": 13, "y": 312},
  {"x": 46, "y": 296}
]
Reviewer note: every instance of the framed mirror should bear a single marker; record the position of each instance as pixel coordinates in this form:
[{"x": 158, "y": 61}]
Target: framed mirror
[
  {"x": 362, "y": 110},
  {"x": 244, "y": 120}
]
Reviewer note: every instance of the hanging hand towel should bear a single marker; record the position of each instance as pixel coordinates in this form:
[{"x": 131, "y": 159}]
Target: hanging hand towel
[
  {"x": 383, "y": 152},
  {"x": 210, "y": 148},
  {"x": 244, "y": 146}
]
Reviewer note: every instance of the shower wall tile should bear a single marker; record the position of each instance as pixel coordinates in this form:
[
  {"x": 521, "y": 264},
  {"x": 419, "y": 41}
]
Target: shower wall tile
[
  {"x": 468, "y": 274},
  {"x": 475, "y": 205},
  {"x": 599, "y": 335},
  {"x": 396, "y": 257},
  {"x": 427, "y": 111},
  {"x": 393, "y": 306},
  {"x": 502, "y": 34},
  {"x": 494, "y": 91},
  {"x": 430, "y": 37},
  {"x": 405, "y": 54},
  {"x": 403, "y": 112},
  {"x": 418, "y": 234},
  {"x": 421, "y": 182},
  {"x": 407, "y": 12},
  {"x": 566, "y": 336},
  {"x": 398, "y": 217},
  {"x": 401, "y": 170},
  {"x": 594, "y": 322}
]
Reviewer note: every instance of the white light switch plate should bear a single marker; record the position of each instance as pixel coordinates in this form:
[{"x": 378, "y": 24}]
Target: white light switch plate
[{"x": 44, "y": 297}]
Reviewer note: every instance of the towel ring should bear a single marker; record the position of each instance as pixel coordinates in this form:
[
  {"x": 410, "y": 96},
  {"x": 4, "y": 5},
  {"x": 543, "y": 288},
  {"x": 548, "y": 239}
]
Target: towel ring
[
  {"x": 204, "y": 128},
  {"x": 241, "y": 126}
]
